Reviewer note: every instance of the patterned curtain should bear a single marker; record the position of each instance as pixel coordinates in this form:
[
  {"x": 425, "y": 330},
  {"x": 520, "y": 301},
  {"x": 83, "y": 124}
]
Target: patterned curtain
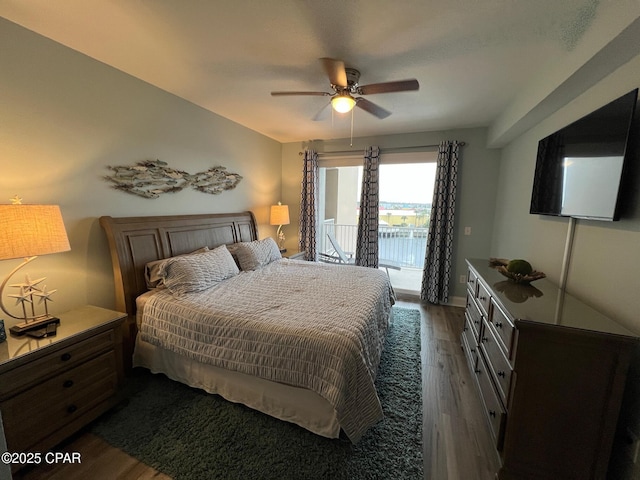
[
  {"x": 367, "y": 243},
  {"x": 437, "y": 261},
  {"x": 309, "y": 206}
]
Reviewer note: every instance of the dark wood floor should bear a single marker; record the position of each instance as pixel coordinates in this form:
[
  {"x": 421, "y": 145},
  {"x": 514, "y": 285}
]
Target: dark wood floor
[{"x": 456, "y": 436}]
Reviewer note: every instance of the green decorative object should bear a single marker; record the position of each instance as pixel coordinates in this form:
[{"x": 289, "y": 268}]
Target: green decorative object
[
  {"x": 152, "y": 178},
  {"x": 519, "y": 267},
  {"x": 518, "y": 270}
]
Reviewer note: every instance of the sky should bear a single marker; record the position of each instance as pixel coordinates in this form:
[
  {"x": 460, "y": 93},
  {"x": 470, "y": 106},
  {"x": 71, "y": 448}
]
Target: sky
[{"x": 407, "y": 183}]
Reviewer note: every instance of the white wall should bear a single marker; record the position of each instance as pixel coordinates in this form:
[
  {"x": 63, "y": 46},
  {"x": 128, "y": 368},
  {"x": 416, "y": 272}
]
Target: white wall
[
  {"x": 65, "y": 117},
  {"x": 606, "y": 256}
]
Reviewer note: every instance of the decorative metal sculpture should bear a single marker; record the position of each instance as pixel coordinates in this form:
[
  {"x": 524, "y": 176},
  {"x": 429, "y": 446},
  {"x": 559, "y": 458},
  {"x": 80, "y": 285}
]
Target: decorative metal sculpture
[
  {"x": 152, "y": 178},
  {"x": 27, "y": 291}
]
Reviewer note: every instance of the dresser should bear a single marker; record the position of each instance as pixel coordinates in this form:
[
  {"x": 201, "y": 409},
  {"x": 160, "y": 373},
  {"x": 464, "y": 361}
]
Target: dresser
[
  {"x": 551, "y": 375},
  {"x": 52, "y": 386}
]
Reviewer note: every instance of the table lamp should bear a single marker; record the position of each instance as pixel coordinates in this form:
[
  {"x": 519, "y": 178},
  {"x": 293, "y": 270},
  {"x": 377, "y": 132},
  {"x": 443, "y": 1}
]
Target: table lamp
[
  {"x": 280, "y": 216},
  {"x": 27, "y": 231}
]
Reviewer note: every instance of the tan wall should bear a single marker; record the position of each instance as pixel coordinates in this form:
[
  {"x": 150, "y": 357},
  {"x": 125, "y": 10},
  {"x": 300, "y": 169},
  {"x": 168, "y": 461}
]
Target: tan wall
[
  {"x": 477, "y": 183},
  {"x": 65, "y": 118},
  {"x": 605, "y": 256}
]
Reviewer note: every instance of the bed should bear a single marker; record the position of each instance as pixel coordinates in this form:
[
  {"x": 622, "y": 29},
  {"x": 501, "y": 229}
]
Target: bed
[{"x": 299, "y": 341}]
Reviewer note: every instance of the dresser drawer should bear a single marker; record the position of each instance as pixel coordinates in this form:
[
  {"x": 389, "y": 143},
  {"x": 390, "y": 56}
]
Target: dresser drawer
[
  {"x": 503, "y": 328},
  {"x": 474, "y": 315},
  {"x": 472, "y": 283},
  {"x": 484, "y": 298},
  {"x": 492, "y": 406},
  {"x": 498, "y": 364},
  {"x": 34, "y": 372},
  {"x": 469, "y": 334},
  {"x": 470, "y": 353},
  {"x": 57, "y": 401}
]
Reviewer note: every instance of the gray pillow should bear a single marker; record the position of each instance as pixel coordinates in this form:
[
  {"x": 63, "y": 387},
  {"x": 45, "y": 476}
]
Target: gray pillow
[
  {"x": 194, "y": 273},
  {"x": 151, "y": 270},
  {"x": 256, "y": 254}
]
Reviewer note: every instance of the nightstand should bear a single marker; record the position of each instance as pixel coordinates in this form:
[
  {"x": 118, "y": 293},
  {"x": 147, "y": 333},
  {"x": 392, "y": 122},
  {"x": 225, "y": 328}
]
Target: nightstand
[
  {"x": 53, "y": 386},
  {"x": 294, "y": 254}
]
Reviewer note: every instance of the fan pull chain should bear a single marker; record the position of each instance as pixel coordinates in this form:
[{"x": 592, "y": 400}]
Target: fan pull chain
[{"x": 351, "y": 141}]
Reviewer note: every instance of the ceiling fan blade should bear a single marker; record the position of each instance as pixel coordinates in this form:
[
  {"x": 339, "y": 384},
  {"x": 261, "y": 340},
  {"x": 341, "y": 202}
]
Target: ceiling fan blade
[
  {"x": 322, "y": 114},
  {"x": 386, "y": 87},
  {"x": 280, "y": 94},
  {"x": 335, "y": 71},
  {"x": 372, "y": 108}
]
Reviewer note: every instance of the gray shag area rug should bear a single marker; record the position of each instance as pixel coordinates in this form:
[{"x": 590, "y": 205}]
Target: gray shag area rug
[{"x": 189, "y": 434}]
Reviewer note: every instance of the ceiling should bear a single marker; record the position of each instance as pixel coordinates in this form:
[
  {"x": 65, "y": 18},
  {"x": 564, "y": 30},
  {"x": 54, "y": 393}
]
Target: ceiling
[{"x": 476, "y": 61}]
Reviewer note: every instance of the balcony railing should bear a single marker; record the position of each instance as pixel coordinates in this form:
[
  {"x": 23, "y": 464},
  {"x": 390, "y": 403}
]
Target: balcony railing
[{"x": 404, "y": 246}]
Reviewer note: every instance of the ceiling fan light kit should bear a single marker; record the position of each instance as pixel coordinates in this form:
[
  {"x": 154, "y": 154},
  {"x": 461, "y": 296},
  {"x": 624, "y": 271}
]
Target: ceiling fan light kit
[
  {"x": 343, "y": 103},
  {"x": 344, "y": 83}
]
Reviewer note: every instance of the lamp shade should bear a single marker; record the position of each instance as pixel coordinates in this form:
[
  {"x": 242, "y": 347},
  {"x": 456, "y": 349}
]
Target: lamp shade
[
  {"x": 30, "y": 230},
  {"x": 343, "y": 103},
  {"x": 279, "y": 215}
]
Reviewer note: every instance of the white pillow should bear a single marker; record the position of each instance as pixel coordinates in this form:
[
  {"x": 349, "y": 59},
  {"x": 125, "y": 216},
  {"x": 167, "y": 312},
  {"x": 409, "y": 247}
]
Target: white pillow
[
  {"x": 256, "y": 254},
  {"x": 151, "y": 269},
  {"x": 194, "y": 273}
]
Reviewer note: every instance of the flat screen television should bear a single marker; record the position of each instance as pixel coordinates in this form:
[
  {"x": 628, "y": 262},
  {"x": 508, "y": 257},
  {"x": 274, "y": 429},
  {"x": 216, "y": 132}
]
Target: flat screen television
[{"x": 579, "y": 169}]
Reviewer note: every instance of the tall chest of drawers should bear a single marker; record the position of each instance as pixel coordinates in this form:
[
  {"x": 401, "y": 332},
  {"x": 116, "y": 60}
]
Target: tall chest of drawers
[{"x": 551, "y": 374}]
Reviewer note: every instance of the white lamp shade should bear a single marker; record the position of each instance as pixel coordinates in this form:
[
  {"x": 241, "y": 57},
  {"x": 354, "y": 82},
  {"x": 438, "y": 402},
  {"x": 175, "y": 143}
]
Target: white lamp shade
[
  {"x": 343, "y": 103},
  {"x": 30, "y": 230},
  {"x": 279, "y": 215}
]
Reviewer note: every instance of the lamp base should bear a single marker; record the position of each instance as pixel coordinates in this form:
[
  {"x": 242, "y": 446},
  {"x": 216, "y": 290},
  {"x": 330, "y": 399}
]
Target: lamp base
[{"x": 23, "y": 327}]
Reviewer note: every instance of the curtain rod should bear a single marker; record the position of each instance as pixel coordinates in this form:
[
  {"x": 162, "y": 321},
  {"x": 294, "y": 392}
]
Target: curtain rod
[{"x": 382, "y": 150}]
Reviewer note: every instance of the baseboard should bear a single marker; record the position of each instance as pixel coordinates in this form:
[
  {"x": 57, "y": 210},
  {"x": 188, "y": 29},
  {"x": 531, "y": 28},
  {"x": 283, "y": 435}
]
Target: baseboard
[
  {"x": 415, "y": 296},
  {"x": 458, "y": 302}
]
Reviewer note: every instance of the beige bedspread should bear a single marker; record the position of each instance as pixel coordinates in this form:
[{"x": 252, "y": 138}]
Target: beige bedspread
[{"x": 315, "y": 326}]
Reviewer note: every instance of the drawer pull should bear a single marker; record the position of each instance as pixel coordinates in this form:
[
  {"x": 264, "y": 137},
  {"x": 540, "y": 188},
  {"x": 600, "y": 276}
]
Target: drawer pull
[
  {"x": 502, "y": 374},
  {"x": 65, "y": 357},
  {"x": 68, "y": 384},
  {"x": 71, "y": 408},
  {"x": 492, "y": 413},
  {"x": 498, "y": 324}
]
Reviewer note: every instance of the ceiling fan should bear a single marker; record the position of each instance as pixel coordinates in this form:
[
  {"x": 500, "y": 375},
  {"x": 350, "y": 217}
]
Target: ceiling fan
[{"x": 344, "y": 82}]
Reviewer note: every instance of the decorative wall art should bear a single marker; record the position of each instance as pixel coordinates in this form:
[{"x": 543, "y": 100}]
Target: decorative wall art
[{"x": 152, "y": 178}]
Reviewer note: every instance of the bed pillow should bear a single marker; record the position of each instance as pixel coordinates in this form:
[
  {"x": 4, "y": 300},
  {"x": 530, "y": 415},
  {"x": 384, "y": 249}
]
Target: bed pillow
[
  {"x": 151, "y": 270},
  {"x": 256, "y": 254},
  {"x": 194, "y": 273}
]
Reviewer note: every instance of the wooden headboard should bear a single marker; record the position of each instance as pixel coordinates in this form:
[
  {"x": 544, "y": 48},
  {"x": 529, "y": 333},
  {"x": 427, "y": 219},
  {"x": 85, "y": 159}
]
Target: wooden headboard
[{"x": 135, "y": 241}]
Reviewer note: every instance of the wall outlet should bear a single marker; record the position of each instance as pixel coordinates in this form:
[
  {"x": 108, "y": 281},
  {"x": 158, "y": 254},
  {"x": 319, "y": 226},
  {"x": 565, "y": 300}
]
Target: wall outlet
[
  {"x": 463, "y": 279},
  {"x": 467, "y": 230}
]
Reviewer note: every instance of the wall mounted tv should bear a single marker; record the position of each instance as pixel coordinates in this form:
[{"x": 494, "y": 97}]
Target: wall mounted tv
[{"x": 579, "y": 169}]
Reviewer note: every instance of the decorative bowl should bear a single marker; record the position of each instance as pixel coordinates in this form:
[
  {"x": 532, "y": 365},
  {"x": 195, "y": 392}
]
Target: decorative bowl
[{"x": 500, "y": 264}]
